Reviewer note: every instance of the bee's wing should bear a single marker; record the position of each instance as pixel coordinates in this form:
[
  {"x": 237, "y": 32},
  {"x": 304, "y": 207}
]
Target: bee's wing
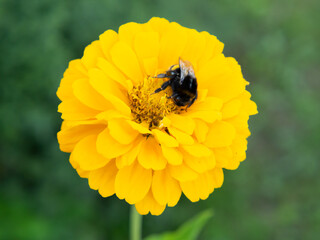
[{"x": 186, "y": 69}]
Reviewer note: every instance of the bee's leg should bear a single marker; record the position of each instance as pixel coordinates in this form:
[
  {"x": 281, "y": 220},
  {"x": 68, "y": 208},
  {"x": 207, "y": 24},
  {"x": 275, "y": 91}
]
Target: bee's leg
[
  {"x": 162, "y": 75},
  {"x": 163, "y": 86},
  {"x": 174, "y": 95},
  {"x": 192, "y": 101},
  {"x": 168, "y": 74}
]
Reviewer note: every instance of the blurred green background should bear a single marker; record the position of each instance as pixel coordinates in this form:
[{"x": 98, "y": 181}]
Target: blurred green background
[{"x": 273, "y": 195}]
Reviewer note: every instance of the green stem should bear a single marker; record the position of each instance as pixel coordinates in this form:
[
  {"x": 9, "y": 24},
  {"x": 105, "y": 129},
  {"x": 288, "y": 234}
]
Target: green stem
[{"x": 135, "y": 224}]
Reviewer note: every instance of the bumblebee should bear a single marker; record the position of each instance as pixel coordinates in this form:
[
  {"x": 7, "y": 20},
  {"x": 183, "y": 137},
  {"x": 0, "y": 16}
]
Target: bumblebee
[{"x": 183, "y": 83}]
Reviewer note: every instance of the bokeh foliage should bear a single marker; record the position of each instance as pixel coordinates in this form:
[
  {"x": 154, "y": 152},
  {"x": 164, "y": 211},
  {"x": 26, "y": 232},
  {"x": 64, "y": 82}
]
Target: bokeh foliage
[{"x": 273, "y": 195}]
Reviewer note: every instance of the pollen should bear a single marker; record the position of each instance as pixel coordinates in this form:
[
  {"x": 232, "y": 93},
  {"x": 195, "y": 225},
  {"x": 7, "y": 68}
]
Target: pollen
[{"x": 150, "y": 108}]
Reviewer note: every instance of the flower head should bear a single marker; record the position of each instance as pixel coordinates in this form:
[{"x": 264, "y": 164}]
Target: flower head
[{"x": 138, "y": 144}]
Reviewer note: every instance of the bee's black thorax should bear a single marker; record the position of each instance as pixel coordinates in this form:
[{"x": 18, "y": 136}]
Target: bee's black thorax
[{"x": 184, "y": 86}]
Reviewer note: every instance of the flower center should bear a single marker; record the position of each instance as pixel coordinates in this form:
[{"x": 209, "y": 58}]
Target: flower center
[{"x": 148, "y": 107}]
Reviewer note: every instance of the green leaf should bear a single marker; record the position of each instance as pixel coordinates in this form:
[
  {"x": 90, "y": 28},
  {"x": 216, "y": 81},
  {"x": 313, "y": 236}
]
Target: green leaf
[{"x": 188, "y": 231}]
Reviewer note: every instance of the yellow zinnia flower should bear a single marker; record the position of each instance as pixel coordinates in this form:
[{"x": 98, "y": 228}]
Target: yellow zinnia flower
[{"x": 137, "y": 144}]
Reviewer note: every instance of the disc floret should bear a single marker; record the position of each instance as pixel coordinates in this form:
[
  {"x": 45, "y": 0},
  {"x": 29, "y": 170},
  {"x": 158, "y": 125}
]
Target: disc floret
[{"x": 148, "y": 107}]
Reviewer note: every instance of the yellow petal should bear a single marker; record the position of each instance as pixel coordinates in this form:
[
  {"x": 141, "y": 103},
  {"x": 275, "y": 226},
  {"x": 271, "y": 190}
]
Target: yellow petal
[
  {"x": 224, "y": 156},
  {"x": 239, "y": 122},
  {"x": 197, "y": 150},
  {"x": 211, "y": 70},
  {"x": 200, "y": 164},
  {"x": 207, "y": 116},
  {"x": 150, "y": 66},
  {"x": 133, "y": 183},
  {"x": 149, "y": 204},
  {"x": 112, "y": 72},
  {"x": 73, "y": 163},
  {"x": 182, "y": 173},
  {"x": 110, "y": 114},
  {"x": 164, "y": 138},
  {"x": 107, "y": 40},
  {"x": 94, "y": 178},
  {"x": 194, "y": 48},
  {"x": 128, "y": 31},
  {"x": 86, "y": 155},
  {"x": 150, "y": 156},
  {"x": 173, "y": 155},
  {"x": 109, "y": 147},
  {"x": 239, "y": 145},
  {"x": 105, "y": 85},
  {"x": 239, "y": 148},
  {"x": 72, "y": 123},
  {"x": 91, "y": 54},
  {"x": 251, "y": 107},
  {"x": 182, "y": 123},
  {"x": 207, "y": 110},
  {"x": 221, "y": 77},
  {"x": 107, "y": 182},
  {"x": 234, "y": 65},
  {"x": 233, "y": 164},
  {"x": 248, "y": 105},
  {"x": 165, "y": 122},
  {"x": 173, "y": 45},
  {"x": 75, "y": 70},
  {"x": 126, "y": 60},
  {"x": 129, "y": 84},
  {"x": 213, "y": 47},
  {"x": 139, "y": 127},
  {"x": 221, "y": 134},
  {"x": 202, "y": 95},
  {"x": 73, "y": 109},
  {"x": 146, "y": 45},
  {"x": 210, "y": 103},
  {"x": 159, "y": 24},
  {"x": 165, "y": 189},
  {"x": 228, "y": 87},
  {"x": 231, "y": 109},
  {"x": 69, "y": 137},
  {"x": 201, "y": 130},
  {"x": 65, "y": 90},
  {"x": 88, "y": 96},
  {"x": 180, "y": 136},
  {"x": 82, "y": 173},
  {"x": 199, "y": 188},
  {"x": 128, "y": 158},
  {"x": 217, "y": 174},
  {"x": 122, "y": 131},
  {"x": 109, "y": 90},
  {"x": 98, "y": 177}
]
